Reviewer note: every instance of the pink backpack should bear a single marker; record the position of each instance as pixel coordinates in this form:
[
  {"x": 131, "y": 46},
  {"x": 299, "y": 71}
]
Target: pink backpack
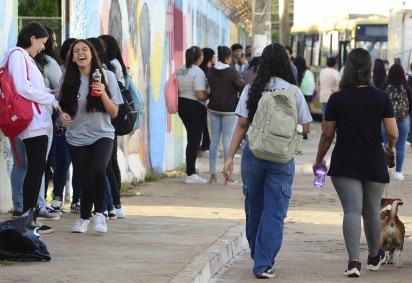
[
  {"x": 172, "y": 94},
  {"x": 16, "y": 112}
]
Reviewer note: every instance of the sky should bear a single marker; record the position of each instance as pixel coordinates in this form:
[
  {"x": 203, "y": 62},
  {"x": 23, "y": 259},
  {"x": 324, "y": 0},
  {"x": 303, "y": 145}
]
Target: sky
[{"x": 312, "y": 11}]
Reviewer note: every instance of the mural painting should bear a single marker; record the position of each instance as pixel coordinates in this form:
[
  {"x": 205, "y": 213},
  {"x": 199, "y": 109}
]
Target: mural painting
[{"x": 153, "y": 36}]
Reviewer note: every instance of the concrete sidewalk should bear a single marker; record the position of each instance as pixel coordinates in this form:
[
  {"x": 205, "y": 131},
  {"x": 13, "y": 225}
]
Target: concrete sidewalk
[{"x": 176, "y": 232}]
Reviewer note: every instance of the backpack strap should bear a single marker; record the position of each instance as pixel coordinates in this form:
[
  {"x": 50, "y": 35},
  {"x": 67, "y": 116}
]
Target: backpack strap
[
  {"x": 6, "y": 66},
  {"x": 13, "y": 146},
  {"x": 292, "y": 90}
]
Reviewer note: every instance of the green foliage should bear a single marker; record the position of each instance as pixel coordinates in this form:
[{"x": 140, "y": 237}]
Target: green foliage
[
  {"x": 154, "y": 175},
  {"x": 39, "y": 8},
  {"x": 5, "y": 263}
]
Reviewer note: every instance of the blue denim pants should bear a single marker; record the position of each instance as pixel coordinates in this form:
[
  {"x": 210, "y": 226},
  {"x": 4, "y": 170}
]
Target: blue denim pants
[
  {"x": 267, "y": 189},
  {"x": 222, "y": 126},
  {"x": 61, "y": 168},
  {"x": 403, "y": 128}
]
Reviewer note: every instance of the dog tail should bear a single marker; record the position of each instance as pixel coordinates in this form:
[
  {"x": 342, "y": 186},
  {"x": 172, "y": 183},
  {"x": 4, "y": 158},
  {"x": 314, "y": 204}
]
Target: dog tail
[{"x": 394, "y": 209}]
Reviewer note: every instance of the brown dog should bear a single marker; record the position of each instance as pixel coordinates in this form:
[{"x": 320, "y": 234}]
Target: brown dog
[{"x": 393, "y": 230}]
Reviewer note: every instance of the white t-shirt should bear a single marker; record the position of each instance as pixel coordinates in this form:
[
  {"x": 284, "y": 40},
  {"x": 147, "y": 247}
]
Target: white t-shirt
[
  {"x": 277, "y": 83},
  {"x": 119, "y": 70},
  {"x": 189, "y": 81}
]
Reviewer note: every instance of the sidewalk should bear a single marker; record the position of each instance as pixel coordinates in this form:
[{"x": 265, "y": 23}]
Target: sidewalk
[{"x": 176, "y": 232}]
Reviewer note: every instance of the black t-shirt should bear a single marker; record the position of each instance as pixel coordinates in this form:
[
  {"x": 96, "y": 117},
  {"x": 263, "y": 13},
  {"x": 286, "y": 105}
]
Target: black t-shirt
[{"x": 358, "y": 152}]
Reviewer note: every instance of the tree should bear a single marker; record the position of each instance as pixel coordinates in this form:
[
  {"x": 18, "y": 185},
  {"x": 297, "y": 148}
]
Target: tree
[
  {"x": 284, "y": 29},
  {"x": 39, "y": 8}
]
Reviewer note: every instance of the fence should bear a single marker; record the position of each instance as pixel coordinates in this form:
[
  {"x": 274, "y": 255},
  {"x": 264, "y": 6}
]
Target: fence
[{"x": 53, "y": 22}]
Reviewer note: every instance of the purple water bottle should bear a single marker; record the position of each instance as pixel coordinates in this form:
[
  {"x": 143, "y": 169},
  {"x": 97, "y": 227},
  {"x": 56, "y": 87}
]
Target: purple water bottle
[{"x": 320, "y": 175}]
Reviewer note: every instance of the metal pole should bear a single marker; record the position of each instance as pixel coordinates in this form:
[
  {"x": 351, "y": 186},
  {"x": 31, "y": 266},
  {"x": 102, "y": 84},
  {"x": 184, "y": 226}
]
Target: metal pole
[{"x": 262, "y": 25}]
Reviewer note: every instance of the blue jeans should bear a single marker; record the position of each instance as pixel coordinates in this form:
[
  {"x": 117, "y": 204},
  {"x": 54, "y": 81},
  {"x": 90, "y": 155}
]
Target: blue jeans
[
  {"x": 221, "y": 126},
  {"x": 268, "y": 188},
  {"x": 17, "y": 175},
  {"x": 403, "y": 128},
  {"x": 108, "y": 199},
  {"x": 61, "y": 168}
]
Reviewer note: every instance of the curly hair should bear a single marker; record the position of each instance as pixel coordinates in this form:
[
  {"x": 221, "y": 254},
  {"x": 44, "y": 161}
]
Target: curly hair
[
  {"x": 71, "y": 83},
  {"x": 274, "y": 63}
]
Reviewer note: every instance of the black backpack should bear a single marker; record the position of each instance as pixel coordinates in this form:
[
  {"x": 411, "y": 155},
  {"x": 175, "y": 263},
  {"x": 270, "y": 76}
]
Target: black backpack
[{"x": 127, "y": 114}]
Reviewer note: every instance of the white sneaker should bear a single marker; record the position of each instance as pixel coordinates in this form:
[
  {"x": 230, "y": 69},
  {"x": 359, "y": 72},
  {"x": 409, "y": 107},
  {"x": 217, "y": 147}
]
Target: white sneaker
[
  {"x": 99, "y": 221},
  {"x": 194, "y": 179},
  {"x": 80, "y": 226},
  {"x": 398, "y": 176},
  {"x": 120, "y": 212}
]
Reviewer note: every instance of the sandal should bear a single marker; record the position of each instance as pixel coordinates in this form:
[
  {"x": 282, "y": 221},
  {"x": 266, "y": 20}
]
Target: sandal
[
  {"x": 214, "y": 181},
  {"x": 232, "y": 182}
]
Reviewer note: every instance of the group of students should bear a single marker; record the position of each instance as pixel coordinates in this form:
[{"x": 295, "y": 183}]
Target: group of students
[
  {"x": 72, "y": 126},
  {"x": 209, "y": 88},
  {"x": 355, "y": 111}
]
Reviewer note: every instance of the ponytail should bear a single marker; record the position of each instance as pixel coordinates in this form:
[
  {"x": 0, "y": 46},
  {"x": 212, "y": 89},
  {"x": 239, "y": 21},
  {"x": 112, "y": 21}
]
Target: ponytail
[
  {"x": 223, "y": 52},
  {"x": 192, "y": 55}
]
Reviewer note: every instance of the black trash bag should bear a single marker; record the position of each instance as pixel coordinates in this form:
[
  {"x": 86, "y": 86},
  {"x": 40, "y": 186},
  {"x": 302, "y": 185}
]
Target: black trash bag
[{"x": 20, "y": 241}]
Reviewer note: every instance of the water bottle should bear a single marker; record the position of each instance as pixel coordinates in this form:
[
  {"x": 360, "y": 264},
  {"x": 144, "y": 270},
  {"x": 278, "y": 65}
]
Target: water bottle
[
  {"x": 320, "y": 176},
  {"x": 96, "y": 78}
]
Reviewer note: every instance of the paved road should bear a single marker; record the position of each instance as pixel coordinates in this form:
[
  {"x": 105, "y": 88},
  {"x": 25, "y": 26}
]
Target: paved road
[{"x": 175, "y": 232}]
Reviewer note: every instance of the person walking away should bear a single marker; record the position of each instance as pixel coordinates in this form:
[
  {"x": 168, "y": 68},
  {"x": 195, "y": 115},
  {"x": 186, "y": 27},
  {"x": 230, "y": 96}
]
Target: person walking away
[
  {"x": 400, "y": 95},
  {"x": 225, "y": 83},
  {"x": 289, "y": 51},
  {"x": 306, "y": 81},
  {"x": 267, "y": 184},
  {"x": 379, "y": 73},
  {"x": 358, "y": 167},
  {"x": 87, "y": 112},
  {"x": 410, "y": 109},
  {"x": 329, "y": 80},
  {"x": 191, "y": 82},
  {"x": 251, "y": 72},
  {"x": 29, "y": 83}
]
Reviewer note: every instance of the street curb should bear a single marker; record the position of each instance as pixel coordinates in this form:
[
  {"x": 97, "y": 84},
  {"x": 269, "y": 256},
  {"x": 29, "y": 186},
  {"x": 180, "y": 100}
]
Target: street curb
[{"x": 204, "y": 266}]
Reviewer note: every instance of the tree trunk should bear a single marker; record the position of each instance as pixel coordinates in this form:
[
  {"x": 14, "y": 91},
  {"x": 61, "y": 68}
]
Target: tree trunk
[
  {"x": 262, "y": 26},
  {"x": 284, "y": 29}
]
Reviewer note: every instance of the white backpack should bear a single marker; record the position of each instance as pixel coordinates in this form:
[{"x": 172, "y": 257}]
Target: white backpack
[{"x": 273, "y": 132}]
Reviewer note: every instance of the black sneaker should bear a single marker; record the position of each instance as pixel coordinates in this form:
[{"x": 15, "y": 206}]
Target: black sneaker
[
  {"x": 353, "y": 270},
  {"x": 43, "y": 229},
  {"x": 375, "y": 262},
  {"x": 268, "y": 273},
  {"x": 75, "y": 207}
]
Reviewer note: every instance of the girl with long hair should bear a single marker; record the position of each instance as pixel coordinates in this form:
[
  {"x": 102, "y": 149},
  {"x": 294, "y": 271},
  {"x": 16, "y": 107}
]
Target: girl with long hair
[
  {"x": 87, "y": 112},
  {"x": 267, "y": 185},
  {"x": 358, "y": 167}
]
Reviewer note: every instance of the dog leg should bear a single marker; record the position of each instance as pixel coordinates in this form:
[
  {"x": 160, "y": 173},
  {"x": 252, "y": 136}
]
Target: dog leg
[
  {"x": 389, "y": 258},
  {"x": 398, "y": 259}
]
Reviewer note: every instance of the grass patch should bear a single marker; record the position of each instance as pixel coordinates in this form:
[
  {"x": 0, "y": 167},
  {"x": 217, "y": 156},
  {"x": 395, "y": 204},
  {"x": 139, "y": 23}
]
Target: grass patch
[{"x": 6, "y": 263}]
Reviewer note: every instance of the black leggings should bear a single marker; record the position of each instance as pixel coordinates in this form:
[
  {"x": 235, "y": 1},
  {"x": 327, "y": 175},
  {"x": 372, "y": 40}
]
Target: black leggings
[
  {"x": 193, "y": 115},
  {"x": 36, "y": 150},
  {"x": 90, "y": 162},
  {"x": 113, "y": 174}
]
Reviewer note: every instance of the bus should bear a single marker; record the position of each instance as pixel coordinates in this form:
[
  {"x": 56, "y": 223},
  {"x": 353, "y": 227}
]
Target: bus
[{"x": 336, "y": 37}]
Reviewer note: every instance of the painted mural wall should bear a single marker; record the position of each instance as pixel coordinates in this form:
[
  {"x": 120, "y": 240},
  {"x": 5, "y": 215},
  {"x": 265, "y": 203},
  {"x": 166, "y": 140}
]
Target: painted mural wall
[
  {"x": 154, "y": 36},
  {"x": 8, "y": 31}
]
